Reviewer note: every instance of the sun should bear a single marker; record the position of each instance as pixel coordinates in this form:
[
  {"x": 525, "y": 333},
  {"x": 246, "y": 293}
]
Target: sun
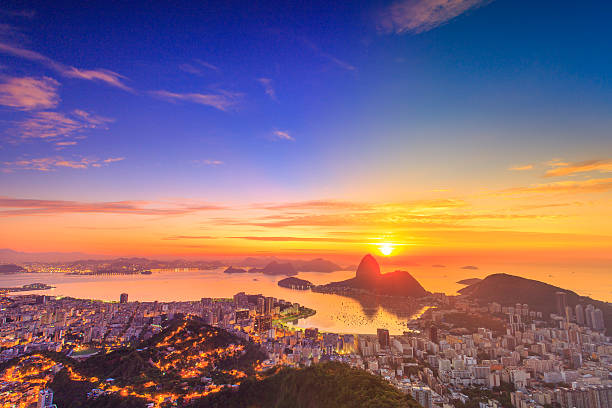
[{"x": 386, "y": 248}]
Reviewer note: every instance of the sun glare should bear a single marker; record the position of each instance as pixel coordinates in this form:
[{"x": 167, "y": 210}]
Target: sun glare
[{"x": 385, "y": 248}]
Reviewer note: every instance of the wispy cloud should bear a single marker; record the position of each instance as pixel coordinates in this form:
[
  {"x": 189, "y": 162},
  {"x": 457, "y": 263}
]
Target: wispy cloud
[
  {"x": 54, "y": 163},
  {"x": 282, "y": 135},
  {"x": 268, "y": 87},
  {"x": 180, "y": 237},
  {"x": 27, "y": 93},
  {"x": 296, "y": 239},
  {"x": 29, "y": 207},
  {"x": 582, "y": 186},
  {"x": 565, "y": 169},
  {"x": 521, "y": 167},
  {"x": 62, "y": 129},
  {"x": 223, "y": 101},
  {"x": 196, "y": 67},
  {"x": 208, "y": 162},
  {"x": 331, "y": 58},
  {"x": 101, "y": 75},
  {"x": 418, "y": 16}
]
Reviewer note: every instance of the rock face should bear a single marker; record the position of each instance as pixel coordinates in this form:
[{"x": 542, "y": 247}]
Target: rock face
[
  {"x": 368, "y": 270},
  {"x": 369, "y": 278}
]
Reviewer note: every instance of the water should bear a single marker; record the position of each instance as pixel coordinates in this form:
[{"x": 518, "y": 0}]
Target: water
[{"x": 335, "y": 313}]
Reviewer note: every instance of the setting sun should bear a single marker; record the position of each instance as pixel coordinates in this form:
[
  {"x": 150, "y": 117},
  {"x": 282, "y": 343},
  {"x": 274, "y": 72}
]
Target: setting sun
[{"x": 385, "y": 248}]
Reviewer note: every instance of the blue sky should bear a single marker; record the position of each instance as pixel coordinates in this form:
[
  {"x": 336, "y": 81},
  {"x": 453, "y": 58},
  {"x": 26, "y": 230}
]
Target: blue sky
[{"x": 239, "y": 103}]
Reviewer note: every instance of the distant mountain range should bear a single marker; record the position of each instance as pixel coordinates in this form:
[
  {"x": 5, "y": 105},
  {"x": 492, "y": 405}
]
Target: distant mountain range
[
  {"x": 369, "y": 278},
  {"x": 8, "y": 255},
  {"x": 6, "y": 269},
  {"x": 509, "y": 290}
]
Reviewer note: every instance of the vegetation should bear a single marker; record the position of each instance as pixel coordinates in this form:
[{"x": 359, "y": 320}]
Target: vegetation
[{"x": 325, "y": 385}]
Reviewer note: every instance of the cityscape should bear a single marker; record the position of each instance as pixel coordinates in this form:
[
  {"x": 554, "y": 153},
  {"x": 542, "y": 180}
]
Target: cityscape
[{"x": 322, "y": 204}]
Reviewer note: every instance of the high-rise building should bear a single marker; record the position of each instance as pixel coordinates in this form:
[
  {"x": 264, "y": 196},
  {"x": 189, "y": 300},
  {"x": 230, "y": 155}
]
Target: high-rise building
[
  {"x": 569, "y": 314},
  {"x": 598, "y": 320},
  {"x": 242, "y": 314},
  {"x": 268, "y": 305},
  {"x": 561, "y": 298},
  {"x": 588, "y": 315},
  {"x": 45, "y": 398},
  {"x": 123, "y": 298},
  {"x": 383, "y": 337},
  {"x": 579, "y": 315},
  {"x": 262, "y": 323},
  {"x": 241, "y": 299},
  {"x": 433, "y": 334},
  {"x": 423, "y": 396}
]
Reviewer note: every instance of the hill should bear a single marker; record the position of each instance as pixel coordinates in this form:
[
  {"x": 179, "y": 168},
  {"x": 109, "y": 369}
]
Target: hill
[
  {"x": 275, "y": 268},
  {"x": 369, "y": 278},
  {"x": 325, "y": 385},
  {"x": 171, "y": 363},
  {"x": 509, "y": 289},
  {"x": 11, "y": 268},
  {"x": 295, "y": 283}
]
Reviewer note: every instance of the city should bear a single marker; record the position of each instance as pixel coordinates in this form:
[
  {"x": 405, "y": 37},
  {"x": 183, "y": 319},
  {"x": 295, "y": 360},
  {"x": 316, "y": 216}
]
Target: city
[{"x": 519, "y": 357}]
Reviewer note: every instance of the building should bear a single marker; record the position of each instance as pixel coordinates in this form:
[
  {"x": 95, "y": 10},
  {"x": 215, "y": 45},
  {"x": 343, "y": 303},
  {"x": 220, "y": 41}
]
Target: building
[
  {"x": 45, "y": 398},
  {"x": 268, "y": 305},
  {"x": 561, "y": 298},
  {"x": 123, "y": 298},
  {"x": 383, "y": 337},
  {"x": 262, "y": 323},
  {"x": 423, "y": 396},
  {"x": 579, "y": 315},
  {"x": 242, "y": 314}
]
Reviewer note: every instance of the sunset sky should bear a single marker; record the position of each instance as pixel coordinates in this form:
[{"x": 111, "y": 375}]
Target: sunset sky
[{"x": 451, "y": 129}]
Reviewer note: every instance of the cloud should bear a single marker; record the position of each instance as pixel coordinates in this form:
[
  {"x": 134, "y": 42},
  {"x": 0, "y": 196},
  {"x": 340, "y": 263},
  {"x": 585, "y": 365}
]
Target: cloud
[
  {"x": 335, "y": 60},
  {"x": 583, "y": 186},
  {"x": 565, "y": 169},
  {"x": 57, "y": 127},
  {"x": 418, "y": 16},
  {"x": 53, "y": 163},
  {"x": 470, "y": 267},
  {"x": 101, "y": 75},
  {"x": 27, "y": 93},
  {"x": 282, "y": 135},
  {"x": 197, "y": 68},
  {"x": 179, "y": 237},
  {"x": 296, "y": 239},
  {"x": 208, "y": 162},
  {"x": 222, "y": 101},
  {"x": 438, "y": 266},
  {"x": 268, "y": 88},
  {"x": 29, "y": 207},
  {"x": 521, "y": 167}
]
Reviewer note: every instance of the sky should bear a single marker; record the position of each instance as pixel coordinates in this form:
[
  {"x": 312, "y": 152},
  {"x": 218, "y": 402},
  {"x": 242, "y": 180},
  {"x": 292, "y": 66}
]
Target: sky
[{"x": 449, "y": 129}]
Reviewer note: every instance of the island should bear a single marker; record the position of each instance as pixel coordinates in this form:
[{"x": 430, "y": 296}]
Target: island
[
  {"x": 275, "y": 268},
  {"x": 231, "y": 269},
  {"x": 295, "y": 283},
  {"x": 368, "y": 278}
]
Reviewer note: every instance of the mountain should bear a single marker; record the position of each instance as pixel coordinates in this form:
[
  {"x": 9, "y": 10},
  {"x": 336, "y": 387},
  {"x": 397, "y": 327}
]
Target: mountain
[
  {"x": 369, "y": 278},
  {"x": 9, "y": 255},
  {"x": 325, "y": 385},
  {"x": 313, "y": 265},
  {"x": 275, "y": 268},
  {"x": 231, "y": 269},
  {"x": 11, "y": 268},
  {"x": 509, "y": 290}
]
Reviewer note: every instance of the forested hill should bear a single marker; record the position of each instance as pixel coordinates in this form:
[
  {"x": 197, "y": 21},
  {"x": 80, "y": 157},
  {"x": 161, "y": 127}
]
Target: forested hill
[{"x": 325, "y": 385}]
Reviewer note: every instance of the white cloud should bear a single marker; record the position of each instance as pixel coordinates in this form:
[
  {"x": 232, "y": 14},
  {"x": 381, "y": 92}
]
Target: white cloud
[{"x": 222, "y": 101}]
